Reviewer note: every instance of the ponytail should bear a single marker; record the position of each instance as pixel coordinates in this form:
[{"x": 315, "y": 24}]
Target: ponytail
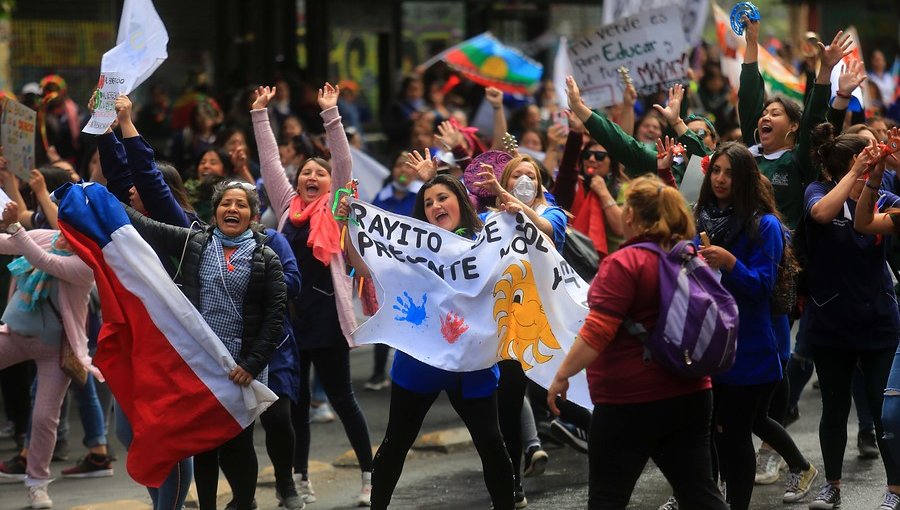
[{"x": 660, "y": 210}]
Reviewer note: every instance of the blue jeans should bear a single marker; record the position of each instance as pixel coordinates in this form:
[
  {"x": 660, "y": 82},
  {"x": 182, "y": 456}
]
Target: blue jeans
[
  {"x": 172, "y": 493},
  {"x": 890, "y": 408}
]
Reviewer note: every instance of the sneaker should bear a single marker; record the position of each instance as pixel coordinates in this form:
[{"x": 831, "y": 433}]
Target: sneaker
[
  {"x": 670, "y": 504},
  {"x": 378, "y": 382},
  {"x": 61, "y": 451},
  {"x": 535, "y": 461},
  {"x": 828, "y": 498},
  {"x": 38, "y": 497},
  {"x": 8, "y": 430},
  {"x": 91, "y": 466},
  {"x": 365, "y": 495},
  {"x": 866, "y": 444},
  {"x": 799, "y": 484},
  {"x": 767, "y": 463},
  {"x": 321, "y": 414},
  {"x": 891, "y": 501},
  {"x": 571, "y": 435},
  {"x": 13, "y": 470},
  {"x": 289, "y": 498},
  {"x": 791, "y": 416},
  {"x": 519, "y": 497},
  {"x": 232, "y": 506},
  {"x": 304, "y": 488}
]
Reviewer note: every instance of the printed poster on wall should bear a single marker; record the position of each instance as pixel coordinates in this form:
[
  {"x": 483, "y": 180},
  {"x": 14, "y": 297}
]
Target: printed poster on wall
[{"x": 17, "y": 136}]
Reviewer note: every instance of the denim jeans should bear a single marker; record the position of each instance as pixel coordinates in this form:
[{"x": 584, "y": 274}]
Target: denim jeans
[
  {"x": 890, "y": 409},
  {"x": 172, "y": 493}
]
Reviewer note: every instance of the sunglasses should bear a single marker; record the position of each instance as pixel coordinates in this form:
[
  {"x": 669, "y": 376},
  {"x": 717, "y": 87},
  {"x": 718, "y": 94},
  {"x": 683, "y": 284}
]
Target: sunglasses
[
  {"x": 246, "y": 186},
  {"x": 701, "y": 133},
  {"x": 598, "y": 155}
]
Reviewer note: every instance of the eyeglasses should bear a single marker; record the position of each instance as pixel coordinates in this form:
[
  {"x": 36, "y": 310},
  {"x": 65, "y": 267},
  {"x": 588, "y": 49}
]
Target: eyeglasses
[
  {"x": 598, "y": 155},
  {"x": 246, "y": 186}
]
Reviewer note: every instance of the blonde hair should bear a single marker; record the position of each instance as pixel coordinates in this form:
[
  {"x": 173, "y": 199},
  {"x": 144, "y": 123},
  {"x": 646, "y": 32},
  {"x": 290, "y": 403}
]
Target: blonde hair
[
  {"x": 508, "y": 170},
  {"x": 659, "y": 210}
]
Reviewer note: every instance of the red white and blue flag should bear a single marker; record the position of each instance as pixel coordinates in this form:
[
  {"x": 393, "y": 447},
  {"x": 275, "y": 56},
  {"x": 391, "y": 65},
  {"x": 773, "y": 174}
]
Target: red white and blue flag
[{"x": 166, "y": 367}]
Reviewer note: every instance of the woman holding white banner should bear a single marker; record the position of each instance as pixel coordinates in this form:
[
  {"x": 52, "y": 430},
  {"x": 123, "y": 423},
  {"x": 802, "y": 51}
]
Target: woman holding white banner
[{"x": 442, "y": 201}]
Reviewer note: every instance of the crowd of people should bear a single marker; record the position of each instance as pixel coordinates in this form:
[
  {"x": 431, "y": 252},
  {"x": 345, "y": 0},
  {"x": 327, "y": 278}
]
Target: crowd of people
[{"x": 243, "y": 209}]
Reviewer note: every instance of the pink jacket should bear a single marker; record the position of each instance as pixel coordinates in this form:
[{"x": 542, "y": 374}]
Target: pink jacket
[
  {"x": 281, "y": 193},
  {"x": 75, "y": 282}
]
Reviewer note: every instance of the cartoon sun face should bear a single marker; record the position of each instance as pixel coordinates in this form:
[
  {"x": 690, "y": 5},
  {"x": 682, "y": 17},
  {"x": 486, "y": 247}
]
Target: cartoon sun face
[{"x": 521, "y": 323}]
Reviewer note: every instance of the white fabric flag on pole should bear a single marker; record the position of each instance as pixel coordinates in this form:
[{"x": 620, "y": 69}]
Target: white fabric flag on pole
[
  {"x": 370, "y": 173},
  {"x": 140, "y": 45},
  {"x": 462, "y": 305},
  {"x": 562, "y": 67}
]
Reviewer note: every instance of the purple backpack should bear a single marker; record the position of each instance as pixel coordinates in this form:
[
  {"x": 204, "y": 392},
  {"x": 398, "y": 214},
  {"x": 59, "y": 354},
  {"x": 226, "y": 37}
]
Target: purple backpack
[{"x": 696, "y": 334}]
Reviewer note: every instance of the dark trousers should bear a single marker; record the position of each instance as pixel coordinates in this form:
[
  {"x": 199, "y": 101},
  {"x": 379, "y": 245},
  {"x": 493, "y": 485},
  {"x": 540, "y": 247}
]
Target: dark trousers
[
  {"x": 15, "y": 382},
  {"x": 280, "y": 441},
  {"x": 673, "y": 432},
  {"x": 835, "y": 368},
  {"x": 408, "y": 410},
  {"x": 238, "y": 461},
  {"x": 510, "y": 395},
  {"x": 333, "y": 367}
]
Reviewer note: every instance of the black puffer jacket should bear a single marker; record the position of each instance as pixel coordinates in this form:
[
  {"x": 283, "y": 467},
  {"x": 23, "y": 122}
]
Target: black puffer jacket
[{"x": 266, "y": 297}]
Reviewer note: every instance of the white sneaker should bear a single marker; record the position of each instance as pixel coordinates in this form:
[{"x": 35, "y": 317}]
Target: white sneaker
[
  {"x": 304, "y": 488},
  {"x": 321, "y": 414},
  {"x": 38, "y": 497},
  {"x": 767, "y": 466},
  {"x": 365, "y": 495}
]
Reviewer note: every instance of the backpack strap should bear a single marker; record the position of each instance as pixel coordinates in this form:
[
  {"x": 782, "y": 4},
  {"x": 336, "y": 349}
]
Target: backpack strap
[{"x": 635, "y": 328}]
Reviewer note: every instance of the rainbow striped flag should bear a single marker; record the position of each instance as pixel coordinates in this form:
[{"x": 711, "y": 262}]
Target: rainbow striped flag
[
  {"x": 778, "y": 78},
  {"x": 486, "y": 61}
]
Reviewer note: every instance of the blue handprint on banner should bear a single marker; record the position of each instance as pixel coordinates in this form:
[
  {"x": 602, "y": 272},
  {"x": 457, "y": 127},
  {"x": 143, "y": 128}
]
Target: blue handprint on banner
[{"x": 410, "y": 312}]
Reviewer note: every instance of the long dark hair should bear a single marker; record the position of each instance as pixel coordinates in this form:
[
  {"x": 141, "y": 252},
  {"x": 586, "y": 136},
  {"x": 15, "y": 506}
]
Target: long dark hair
[
  {"x": 176, "y": 184},
  {"x": 833, "y": 154},
  {"x": 469, "y": 222},
  {"x": 750, "y": 196}
]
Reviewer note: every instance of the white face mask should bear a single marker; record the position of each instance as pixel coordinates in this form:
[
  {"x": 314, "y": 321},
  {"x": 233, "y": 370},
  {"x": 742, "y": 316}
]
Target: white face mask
[{"x": 525, "y": 189}]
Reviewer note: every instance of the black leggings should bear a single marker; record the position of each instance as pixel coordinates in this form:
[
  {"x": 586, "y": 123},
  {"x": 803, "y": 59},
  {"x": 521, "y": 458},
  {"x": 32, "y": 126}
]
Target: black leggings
[
  {"x": 673, "y": 432},
  {"x": 333, "y": 366},
  {"x": 835, "y": 369},
  {"x": 380, "y": 358},
  {"x": 510, "y": 395},
  {"x": 408, "y": 410},
  {"x": 280, "y": 440},
  {"x": 740, "y": 412},
  {"x": 238, "y": 460}
]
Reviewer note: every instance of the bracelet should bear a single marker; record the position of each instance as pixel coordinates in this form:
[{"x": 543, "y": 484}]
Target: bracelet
[
  {"x": 872, "y": 186},
  {"x": 609, "y": 204},
  {"x": 843, "y": 94}
]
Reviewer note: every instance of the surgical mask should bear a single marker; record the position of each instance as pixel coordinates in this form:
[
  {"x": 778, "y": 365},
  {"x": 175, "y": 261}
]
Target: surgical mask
[{"x": 525, "y": 190}]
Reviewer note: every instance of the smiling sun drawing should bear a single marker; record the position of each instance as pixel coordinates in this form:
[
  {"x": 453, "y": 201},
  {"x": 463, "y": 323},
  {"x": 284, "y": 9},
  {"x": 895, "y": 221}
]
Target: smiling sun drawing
[{"x": 522, "y": 325}]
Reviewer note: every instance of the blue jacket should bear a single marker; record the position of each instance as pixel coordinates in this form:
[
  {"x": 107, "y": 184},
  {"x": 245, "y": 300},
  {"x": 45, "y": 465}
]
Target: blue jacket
[{"x": 751, "y": 282}]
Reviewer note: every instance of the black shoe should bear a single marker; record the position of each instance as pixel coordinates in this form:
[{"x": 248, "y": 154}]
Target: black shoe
[
  {"x": 535, "y": 461},
  {"x": 571, "y": 435},
  {"x": 868, "y": 447},
  {"x": 61, "y": 451},
  {"x": 232, "y": 506}
]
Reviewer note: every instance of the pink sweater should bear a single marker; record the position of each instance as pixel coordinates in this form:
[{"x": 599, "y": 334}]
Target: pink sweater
[
  {"x": 281, "y": 193},
  {"x": 75, "y": 282}
]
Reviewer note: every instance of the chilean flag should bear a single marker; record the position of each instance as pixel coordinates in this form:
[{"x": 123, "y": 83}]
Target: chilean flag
[{"x": 166, "y": 367}]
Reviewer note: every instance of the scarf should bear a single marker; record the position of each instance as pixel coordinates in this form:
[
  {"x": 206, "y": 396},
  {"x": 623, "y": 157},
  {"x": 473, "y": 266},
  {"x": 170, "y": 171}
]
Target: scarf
[
  {"x": 722, "y": 227},
  {"x": 233, "y": 242},
  {"x": 33, "y": 283},
  {"x": 324, "y": 233},
  {"x": 590, "y": 221}
]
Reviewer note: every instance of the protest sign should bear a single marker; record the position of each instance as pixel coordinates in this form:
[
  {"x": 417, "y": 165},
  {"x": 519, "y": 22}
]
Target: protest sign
[
  {"x": 693, "y": 13},
  {"x": 650, "y": 44},
  {"x": 461, "y": 304},
  {"x": 112, "y": 85},
  {"x": 17, "y": 137}
]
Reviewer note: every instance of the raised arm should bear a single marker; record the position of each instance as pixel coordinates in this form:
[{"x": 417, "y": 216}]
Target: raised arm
[
  {"x": 865, "y": 219},
  {"x": 567, "y": 177},
  {"x": 341, "y": 161},
  {"x": 39, "y": 188},
  {"x": 494, "y": 96},
  {"x": 278, "y": 188}
]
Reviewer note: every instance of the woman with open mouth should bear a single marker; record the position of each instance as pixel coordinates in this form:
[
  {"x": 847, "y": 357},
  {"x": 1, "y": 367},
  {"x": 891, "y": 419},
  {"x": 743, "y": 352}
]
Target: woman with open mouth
[{"x": 323, "y": 317}]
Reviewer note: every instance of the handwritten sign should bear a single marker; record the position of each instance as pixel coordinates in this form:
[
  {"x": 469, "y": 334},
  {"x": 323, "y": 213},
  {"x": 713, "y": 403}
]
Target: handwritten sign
[
  {"x": 113, "y": 85},
  {"x": 650, "y": 44},
  {"x": 17, "y": 137},
  {"x": 694, "y": 13}
]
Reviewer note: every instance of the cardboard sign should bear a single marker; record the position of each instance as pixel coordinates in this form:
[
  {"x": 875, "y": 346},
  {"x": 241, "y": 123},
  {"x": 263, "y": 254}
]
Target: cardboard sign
[
  {"x": 650, "y": 44},
  {"x": 693, "y": 13},
  {"x": 17, "y": 136},
  {"x": 113, "y": 85}
]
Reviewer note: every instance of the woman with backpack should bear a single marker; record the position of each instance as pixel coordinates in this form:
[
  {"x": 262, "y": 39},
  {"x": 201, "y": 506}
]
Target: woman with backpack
[
  {"x": 852, "y": 317},
  {"x": 631, "y": 397},
  {"x": 736, "y": 211}
]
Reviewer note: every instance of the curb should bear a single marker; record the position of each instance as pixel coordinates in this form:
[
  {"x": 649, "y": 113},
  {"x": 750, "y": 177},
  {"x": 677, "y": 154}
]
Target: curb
[{"x": 446, "y": 441}]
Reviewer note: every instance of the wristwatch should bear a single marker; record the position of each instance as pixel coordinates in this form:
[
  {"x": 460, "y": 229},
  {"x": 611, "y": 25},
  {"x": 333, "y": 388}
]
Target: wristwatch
[{"x": 12, "y": 228}]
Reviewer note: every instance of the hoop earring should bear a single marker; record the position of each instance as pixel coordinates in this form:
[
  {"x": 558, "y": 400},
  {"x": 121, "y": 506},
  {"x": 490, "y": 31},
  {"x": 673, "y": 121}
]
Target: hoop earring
[
  {"x": 789, "y": 133},
  {"x": 756, "y": 136}
]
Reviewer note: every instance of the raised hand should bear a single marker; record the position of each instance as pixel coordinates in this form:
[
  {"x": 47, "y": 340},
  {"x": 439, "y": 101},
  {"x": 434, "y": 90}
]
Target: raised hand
[
  {"x": 665, "y": 152},
  {"x": 37, "y": 183},
  {"x": 328, "y": 96},
  {"x": 261, "y": 97},
  {"x": 494, "y": 96},
  {"x": 629, "y": 96},
  {"x": 425, "y": 168},
  {"x": 556, "y": 135},
  {"x": 238, "y": 157},
  {"x": 449, "y": 135},
  {"x": 123, "y": 109},
  {"x": 851, "y": 76},
  {"x": 672, "y": 110},
  {"x": 834, "y": 52},
  {"x": 509, "y": 203},
  {"x": 751, "y": 29},
  {"x": 10, "y": 214},
  {"x": 488, "y": 180},
  {"x": 575, "y": 103},
  {"x": 865, "y": 160},
  {"x": 575, "y": 123}
]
